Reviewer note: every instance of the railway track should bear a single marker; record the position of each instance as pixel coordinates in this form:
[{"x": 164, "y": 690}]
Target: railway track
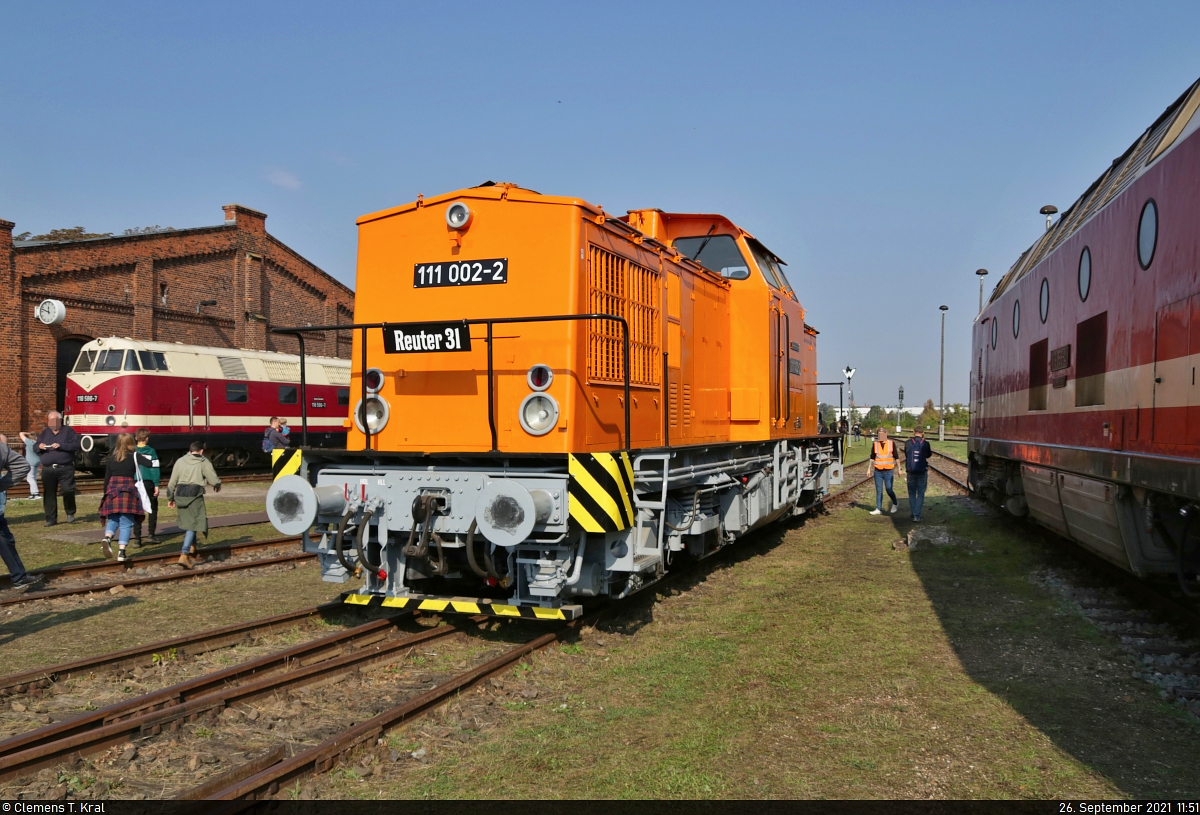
[{"x": 232, "y": 550}]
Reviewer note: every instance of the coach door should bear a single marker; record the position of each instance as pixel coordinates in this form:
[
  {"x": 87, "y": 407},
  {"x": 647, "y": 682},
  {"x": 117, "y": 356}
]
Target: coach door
[
  {"x": 199, "y": 406},
  {"x": 1176, "y": 395}
]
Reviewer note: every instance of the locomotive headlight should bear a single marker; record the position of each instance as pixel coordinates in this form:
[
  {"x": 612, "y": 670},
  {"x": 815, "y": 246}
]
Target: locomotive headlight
[
  {"x": 374, "y": 380},
  {"x": 458, "y": 215},
  {"x": 538, "y": 413},
  {"x": 539, "y": 377},
  {"x": 376, "y": 414},
  {"x": 110, "y": 421}
]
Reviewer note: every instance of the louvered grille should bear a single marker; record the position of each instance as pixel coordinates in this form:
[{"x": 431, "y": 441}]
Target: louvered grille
[
  {"x": 687, "y": 405},
  {"x": 674, "y": 407},
  {"x": 337, "y": 375},
  {"x": 233, "y": 368},
  {"x": 282, "y": 371},
  {"x": 624, "y": 289}
]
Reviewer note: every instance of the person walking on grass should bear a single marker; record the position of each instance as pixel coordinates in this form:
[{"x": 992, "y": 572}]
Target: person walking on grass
[
  {"x": 13, "y": 467},
  {"x": 57, "y": 445},
  {"x": 917, "y": 453},
  {"x": 147, "y": 459},
  {"x": 35, "y": 464},
  {"x": 185, "y": 492},
  {"x": 121, "y": 507},
  {"x": 883, "y": 465}
]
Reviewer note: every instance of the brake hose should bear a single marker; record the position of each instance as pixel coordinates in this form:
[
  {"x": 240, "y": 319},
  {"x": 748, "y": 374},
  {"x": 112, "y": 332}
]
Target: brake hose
[
  {"x": 362, "y": 545},
  {"x": 474, "y": 564},
  {"x": 340, "y": 539}
]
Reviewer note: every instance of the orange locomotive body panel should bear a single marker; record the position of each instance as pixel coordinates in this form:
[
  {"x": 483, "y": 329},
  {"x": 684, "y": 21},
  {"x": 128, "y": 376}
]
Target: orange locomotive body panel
[
  {"x": 738, "y": 360},
  {"x": 524, "y": 451}
]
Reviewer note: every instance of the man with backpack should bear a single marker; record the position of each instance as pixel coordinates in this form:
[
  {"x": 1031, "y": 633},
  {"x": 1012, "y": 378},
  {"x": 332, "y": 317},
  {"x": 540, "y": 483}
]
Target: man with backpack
[{"x": 273, "y": 438}]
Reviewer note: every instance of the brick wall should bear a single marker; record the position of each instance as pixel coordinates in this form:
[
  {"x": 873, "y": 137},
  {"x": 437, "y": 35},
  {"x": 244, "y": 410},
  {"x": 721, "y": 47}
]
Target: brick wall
[{"x": 148, "y": 287}]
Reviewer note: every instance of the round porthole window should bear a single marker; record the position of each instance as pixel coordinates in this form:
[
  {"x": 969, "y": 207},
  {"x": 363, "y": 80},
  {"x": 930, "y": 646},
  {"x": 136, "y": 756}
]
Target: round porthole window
[
  {"x": 1085, "y": 273},
  {"x": 995, "y": 326},
  {"x": 1044, "y": 300},
  {"x": 1148, "y": 233},
  {"x": 1016, "y": 318}
]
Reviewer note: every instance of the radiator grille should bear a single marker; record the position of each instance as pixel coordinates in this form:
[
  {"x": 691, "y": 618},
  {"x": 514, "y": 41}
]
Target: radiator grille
[
  {"x": 687, "y": 405},
  {"x": 624, "y": 289},
  {"x": 337, "y": 374},
  {"x": 674, "y": 408},
  {"x": 282, "y": 371}
]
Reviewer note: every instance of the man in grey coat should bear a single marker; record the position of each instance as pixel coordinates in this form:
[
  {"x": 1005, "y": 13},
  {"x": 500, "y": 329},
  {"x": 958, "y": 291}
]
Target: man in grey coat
[{"x": 13, "y": 468}]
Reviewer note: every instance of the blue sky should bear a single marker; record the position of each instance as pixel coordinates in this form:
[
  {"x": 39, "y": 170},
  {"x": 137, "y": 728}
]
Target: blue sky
[{"x": 884, "y": 150}]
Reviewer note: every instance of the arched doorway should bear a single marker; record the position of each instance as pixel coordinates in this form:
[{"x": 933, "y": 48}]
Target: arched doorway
[{"x": 67, "y": 353}]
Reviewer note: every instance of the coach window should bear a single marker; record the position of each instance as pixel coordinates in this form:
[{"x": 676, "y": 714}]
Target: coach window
[
  {"x": 1091, "y": 360},
  {"x": 287, "y": 394},
  {"x": 343, "y": 397},
  {"x": 1148, "y": 234},
  {"x": 1016, "y": 318},
  {"x": 717, "y": 252},
  {"x": 995, "y": 330},
  {"x": 131, "y": 361},
  {"x": 237, "y": 392},
  {"x": 1085, "y": 273},
  {"x": 84, "y": 363},
  {"x": 1044, "y": 300}
]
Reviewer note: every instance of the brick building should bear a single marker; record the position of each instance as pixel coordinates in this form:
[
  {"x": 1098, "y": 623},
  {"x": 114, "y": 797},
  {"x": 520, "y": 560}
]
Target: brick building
[{"x": 151, "y": 287}]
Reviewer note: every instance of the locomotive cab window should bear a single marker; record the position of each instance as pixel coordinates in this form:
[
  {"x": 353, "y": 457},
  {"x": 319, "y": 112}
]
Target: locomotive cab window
[
  {"x": 767, "y": 264},
  {"x": 343, "y": 397},
  {"x": 288, "y": 394},
  {"x": 131, "y": 361},
  {"x": 84, "y": 363},
  {"x": 1039, "y": 374},
  {"x": 110, "y": 360},
  {"x": 147, "y": 360},
  {"x": 160, "y": 361},
  {"x": 237, "y": 392},
  {"x": 717, "y": 252}
]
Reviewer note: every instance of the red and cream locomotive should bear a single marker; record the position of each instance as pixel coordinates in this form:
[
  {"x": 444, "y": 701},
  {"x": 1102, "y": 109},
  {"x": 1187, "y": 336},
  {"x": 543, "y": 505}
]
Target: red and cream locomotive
[
  {"x": 1085, "y": 401},
  {"x": 183, "y": 393}
]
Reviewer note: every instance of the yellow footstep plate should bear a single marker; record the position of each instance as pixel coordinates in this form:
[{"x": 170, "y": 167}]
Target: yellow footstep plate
[{"x": 465, "y": 605}]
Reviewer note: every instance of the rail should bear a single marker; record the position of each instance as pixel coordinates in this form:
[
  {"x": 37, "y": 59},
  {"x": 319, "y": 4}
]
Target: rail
[{"x": 299, "y": 331}]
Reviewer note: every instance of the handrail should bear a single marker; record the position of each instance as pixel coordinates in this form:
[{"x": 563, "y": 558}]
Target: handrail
[{"x": 298, "y": 331}]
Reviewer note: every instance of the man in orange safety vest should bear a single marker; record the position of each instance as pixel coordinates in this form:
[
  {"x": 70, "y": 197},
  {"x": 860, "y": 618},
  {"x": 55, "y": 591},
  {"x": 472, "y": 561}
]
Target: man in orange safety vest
[{"x": 883, "y": 465}]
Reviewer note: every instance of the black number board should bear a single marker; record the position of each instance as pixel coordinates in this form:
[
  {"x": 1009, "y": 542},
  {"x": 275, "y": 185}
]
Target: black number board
[
  {"x": 460, "y": 273},
  {"x": 426, "y": 338}
]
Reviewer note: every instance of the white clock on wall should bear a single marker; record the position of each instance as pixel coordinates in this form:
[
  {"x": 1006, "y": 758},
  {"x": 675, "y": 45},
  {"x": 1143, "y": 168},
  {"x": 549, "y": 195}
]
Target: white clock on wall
[{"x": 51, "y": 312}]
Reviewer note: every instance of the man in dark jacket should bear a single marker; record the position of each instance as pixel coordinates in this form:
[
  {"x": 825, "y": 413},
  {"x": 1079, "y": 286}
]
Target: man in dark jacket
[
  {"x": 57, "y": 445},
  {"x": 917, "y": 453},
  {"x": 274, "y": 438},
  {"x": 13, "y": 468}
]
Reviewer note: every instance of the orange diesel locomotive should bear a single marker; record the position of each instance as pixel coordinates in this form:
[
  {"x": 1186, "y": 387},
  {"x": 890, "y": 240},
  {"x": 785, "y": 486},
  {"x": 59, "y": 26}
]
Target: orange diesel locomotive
[{"x": 554, "y": 404}]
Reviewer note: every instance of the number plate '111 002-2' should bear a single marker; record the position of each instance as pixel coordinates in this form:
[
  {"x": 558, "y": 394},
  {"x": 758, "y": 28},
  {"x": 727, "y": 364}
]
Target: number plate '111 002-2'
[
  {"x": 419, "y": 338},
  {"x": 460, "y": 273}
]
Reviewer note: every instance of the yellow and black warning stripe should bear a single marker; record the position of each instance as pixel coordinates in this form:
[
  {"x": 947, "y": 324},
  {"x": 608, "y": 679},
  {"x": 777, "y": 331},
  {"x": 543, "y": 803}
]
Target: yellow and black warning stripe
[
  {"x": 284, "y": 462},
  {"x": 601, "y": 491},
  {"x": 464, "y": 605}
]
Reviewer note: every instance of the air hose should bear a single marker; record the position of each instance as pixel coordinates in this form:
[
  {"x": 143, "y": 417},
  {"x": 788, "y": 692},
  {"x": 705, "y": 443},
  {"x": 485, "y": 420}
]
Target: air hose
[
  {"x": 340, "y": 539},
  {"x": 489, "y": 568},
  {"x": 361, "y": 544}
]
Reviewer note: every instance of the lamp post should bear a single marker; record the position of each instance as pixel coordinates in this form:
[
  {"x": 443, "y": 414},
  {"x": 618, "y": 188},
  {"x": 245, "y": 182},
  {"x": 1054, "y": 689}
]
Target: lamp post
[
  {"x": 942, "y": 379},
  {"x": 900, "y": 409},
  {"x": 982, "y": 274},
  {"x": 848, "y": 372}
]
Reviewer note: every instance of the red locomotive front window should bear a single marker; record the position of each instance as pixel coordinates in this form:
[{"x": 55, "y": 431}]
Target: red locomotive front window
[
  {"x": 110, "y": 361},
  {"x": 84, "y": 363},
  {"x": 131, "y": 361}
]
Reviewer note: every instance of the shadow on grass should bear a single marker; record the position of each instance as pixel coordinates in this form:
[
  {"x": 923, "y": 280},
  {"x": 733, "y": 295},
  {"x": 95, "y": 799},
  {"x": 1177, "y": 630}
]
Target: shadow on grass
[
  {"x": 35, "y": 623},
  {"x": 1067, "y": 678}
]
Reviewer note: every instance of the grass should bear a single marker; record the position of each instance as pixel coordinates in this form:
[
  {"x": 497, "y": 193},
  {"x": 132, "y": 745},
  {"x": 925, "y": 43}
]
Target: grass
[
  {"x": 39, "y": 548},
  {"x": 818, "y": 662}
]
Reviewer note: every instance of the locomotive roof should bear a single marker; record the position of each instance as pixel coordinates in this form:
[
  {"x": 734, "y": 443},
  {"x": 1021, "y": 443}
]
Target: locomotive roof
[
  {"x": 1175, "y": 124},
  {"x": 181, "y": 348}
]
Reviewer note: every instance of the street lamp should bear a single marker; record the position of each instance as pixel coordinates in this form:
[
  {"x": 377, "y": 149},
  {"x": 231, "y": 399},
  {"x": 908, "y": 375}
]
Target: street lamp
[
  {"x": 942, "y": 379},
  {"x": 982, "y": 274},
  {"x": 848, "y": 372},
  {"x": 900, "y": 409}
]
